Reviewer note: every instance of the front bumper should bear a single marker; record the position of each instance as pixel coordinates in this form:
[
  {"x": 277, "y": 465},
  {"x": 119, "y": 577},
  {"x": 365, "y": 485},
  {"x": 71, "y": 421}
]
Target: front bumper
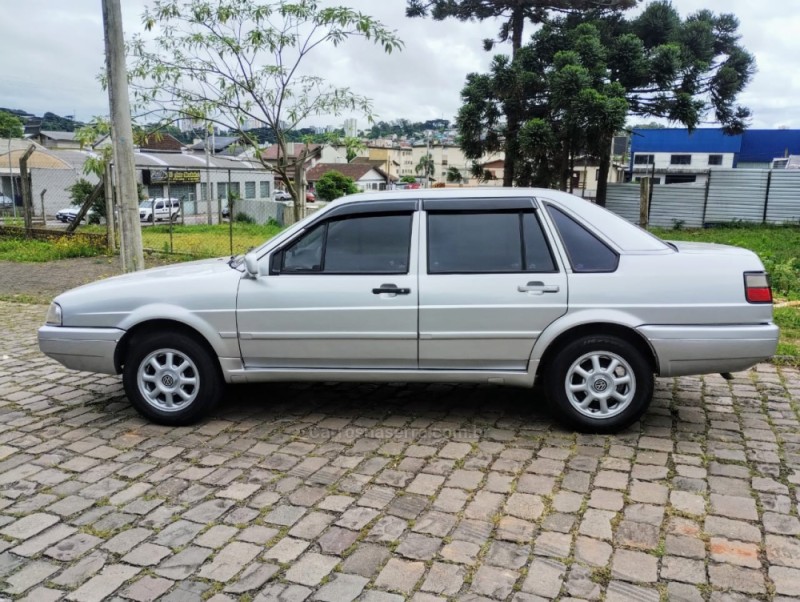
[
  {"x": 683, "y": 350},
  {"x": 87, "y": 349}
]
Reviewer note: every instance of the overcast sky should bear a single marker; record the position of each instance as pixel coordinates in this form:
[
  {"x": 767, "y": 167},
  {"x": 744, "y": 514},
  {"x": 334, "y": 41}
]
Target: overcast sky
[{"x": 52, "y": 50}]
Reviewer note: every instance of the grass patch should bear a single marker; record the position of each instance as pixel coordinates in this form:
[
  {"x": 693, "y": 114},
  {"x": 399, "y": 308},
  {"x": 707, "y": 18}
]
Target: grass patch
[
  {"x": 202, "y": 241},
  {"x": 39, "y": 251},
  {"x": 788, "y": 319}
]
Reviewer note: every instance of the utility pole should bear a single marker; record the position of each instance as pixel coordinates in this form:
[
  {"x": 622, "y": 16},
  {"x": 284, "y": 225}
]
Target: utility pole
[{"x": 122, "y": 134}]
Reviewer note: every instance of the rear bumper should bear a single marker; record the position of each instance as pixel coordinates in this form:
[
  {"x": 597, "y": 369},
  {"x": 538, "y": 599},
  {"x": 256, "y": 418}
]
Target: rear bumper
[
  {"x": 683, "y": 350},
  {"x": 87, "y": 349}
]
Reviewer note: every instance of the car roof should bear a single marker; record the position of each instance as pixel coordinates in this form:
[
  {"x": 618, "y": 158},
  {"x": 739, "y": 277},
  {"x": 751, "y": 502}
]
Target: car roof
[{"x": 625, "y": 235}]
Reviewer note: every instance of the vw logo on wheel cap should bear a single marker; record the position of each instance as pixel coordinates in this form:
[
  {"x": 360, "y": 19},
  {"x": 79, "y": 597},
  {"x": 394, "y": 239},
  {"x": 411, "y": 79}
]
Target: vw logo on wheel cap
[
  {"x": 600, "y": 385},
  {"x": 167, "y": 380}
]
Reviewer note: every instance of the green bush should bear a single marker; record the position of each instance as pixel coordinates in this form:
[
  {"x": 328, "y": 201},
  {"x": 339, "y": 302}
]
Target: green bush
[
  {"x": 784, "y": 275},
  {"x": 244, "y": 218}
]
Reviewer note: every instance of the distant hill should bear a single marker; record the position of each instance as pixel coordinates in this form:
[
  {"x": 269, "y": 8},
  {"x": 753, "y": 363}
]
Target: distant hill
[
  {"x": 56, "y": 123},
  {"x": 49, "y": 121}
]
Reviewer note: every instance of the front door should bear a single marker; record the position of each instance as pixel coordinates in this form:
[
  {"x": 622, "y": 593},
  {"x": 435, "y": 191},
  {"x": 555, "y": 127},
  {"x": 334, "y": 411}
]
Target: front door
[
  {"x": 343, "y": 294},
  {"x": 490, "y": 283}
]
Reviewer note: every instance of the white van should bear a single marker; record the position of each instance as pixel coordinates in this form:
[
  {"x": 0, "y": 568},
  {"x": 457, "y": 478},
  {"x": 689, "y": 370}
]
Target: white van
[{"x": 158, "y": 209}]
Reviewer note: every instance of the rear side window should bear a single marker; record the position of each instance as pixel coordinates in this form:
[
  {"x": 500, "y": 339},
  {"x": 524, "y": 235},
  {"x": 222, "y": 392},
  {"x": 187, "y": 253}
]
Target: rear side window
[
  {"x": 486, "y": 242},
  {"x": 587, "y": 253},
  {"x": 378, "y": 244}
]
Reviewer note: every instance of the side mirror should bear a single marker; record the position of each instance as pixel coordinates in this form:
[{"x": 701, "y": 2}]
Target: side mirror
[{"x": 251, "y": 264}]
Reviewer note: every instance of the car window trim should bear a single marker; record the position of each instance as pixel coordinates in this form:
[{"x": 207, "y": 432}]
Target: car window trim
[
  {"x": 487, "y": 204},
  {"x": 524, "y": 260},
  {"x": 548, "y": 207},
  {"x": 324, "y": 223}
]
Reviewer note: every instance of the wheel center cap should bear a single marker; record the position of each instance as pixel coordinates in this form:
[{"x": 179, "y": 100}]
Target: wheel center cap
[
  {"x": 167, "y": 380},
  {"x": 600, "y": 385}
]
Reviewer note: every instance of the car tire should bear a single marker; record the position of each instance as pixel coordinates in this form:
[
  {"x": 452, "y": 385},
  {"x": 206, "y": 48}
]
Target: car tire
[
  {"x": 171, "y": 378},
  {"x": 599, "y": 384},
  {"x": 150, "y": 219}
]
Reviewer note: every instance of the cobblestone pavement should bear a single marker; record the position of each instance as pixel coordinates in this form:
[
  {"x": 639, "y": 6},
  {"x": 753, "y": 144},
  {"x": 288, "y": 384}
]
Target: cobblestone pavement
[{"x": 381, "y": 493}]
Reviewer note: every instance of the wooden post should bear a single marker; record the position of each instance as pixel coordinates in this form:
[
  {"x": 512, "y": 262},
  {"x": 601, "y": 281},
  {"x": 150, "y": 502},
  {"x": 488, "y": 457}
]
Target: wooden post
[
  {"x": 44, "y": 216},
  {"x": 109, "y": 193},
  {"x": 644, "y": 201},
  {"x": 27, "y": 201}
]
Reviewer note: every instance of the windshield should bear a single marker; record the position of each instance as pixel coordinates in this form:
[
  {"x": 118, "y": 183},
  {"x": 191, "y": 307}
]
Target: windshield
[{"x": 147, "y": 204}]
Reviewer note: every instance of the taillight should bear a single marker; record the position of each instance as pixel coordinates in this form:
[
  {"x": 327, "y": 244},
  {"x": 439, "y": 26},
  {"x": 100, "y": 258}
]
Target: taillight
[{"x": 757, "y": 288}]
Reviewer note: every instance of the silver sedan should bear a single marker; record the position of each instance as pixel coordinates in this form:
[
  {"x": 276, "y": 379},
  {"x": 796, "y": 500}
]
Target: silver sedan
[{"x": 503, "y": 286}]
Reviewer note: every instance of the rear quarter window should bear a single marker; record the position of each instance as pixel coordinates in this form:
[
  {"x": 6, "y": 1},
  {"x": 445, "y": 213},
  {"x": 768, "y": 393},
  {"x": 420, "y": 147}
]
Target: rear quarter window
[{"x": 587, "y": 253}]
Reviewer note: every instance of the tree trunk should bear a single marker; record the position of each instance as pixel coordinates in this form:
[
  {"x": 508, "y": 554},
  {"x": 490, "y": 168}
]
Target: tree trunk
[
  {"x": 602, "y": 174},
  {"x": 512, "y": 110},
  {"x": 517, "y": 25}
]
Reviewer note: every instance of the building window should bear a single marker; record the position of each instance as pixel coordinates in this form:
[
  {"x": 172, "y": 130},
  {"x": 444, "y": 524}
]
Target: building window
[
  {"x": 249, "y": 190},
  {"x": 643, "y": 159},
  {"x": 444, "y": 161},
  {"x": 264, "y": 190},
  {"x": 715, "y": 159},
  {"x": 680, "y": 160},
  {"x": 680, "y": 179}
]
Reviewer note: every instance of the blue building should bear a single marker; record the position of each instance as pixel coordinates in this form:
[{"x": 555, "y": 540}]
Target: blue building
[{"x": 674, "y": 156}]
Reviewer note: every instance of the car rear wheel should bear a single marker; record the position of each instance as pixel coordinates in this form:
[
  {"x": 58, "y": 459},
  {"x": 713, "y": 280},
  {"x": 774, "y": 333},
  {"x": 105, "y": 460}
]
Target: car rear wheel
[
  {"x": 599, "y": 384},
  {"x": 172, "y": 379}
]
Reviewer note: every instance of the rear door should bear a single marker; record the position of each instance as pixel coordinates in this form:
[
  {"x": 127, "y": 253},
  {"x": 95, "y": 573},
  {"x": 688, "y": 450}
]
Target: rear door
[
  {"x": 342, "y": 294},
  {"x": 490, "y": 283}
]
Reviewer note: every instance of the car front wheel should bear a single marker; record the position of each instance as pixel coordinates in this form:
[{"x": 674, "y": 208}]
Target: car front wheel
[
  {"x": 171, "y": 379},
  {"x": 599, "y": 384}
]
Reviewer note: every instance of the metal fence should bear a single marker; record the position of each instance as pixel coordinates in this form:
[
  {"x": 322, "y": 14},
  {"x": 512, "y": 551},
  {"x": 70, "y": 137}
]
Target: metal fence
[
  {"x": 194, "y": 211},
  {"x": 728, "y": 195}
]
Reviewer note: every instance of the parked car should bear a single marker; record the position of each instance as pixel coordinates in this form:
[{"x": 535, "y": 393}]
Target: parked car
[
  {"x": 6, "y": 202},
  {"x": 158, "y": 209},
  {"x": 502, "y": 286},
  {"x": 226, "y": 213},
  {"x": 69, "y": 214},
  {"x": 281, "y": 195},
  {"x": 310, "y": 197}
]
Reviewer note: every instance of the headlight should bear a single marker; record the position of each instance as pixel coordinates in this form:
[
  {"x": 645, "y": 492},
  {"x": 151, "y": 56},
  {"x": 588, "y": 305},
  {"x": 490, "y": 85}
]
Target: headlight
[{"x": 53, "y": 315}]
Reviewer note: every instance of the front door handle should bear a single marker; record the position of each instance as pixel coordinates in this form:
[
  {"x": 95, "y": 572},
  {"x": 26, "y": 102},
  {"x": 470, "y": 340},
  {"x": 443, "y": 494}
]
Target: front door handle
[
  {"x": 538, "y": 288},
  {"x": 391, "y": 289}
]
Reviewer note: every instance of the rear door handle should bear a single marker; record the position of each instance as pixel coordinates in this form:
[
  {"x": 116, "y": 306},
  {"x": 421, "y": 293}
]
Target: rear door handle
[
  {"x": 538, "y": 288},
  {"x": 391, "y": 289}
]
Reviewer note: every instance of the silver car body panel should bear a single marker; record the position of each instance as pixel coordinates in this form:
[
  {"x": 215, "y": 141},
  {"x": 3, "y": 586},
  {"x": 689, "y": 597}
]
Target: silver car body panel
[
  {"x": 687, "y": 303},
  {"x": 88, "y": 349},
  {"x": 330, "y": 320}
]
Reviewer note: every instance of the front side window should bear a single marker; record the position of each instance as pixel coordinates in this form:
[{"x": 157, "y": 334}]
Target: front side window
[
  {"x": 376, "y": 244},
  {"x": 586, "y": 252},
  {"x": 487, "y": 242}
]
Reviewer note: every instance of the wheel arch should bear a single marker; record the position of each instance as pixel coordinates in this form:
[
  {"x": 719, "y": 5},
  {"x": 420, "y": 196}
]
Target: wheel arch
[
  {"x": 159, "y": 325},
  {"x": 623, "y": 331}
]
